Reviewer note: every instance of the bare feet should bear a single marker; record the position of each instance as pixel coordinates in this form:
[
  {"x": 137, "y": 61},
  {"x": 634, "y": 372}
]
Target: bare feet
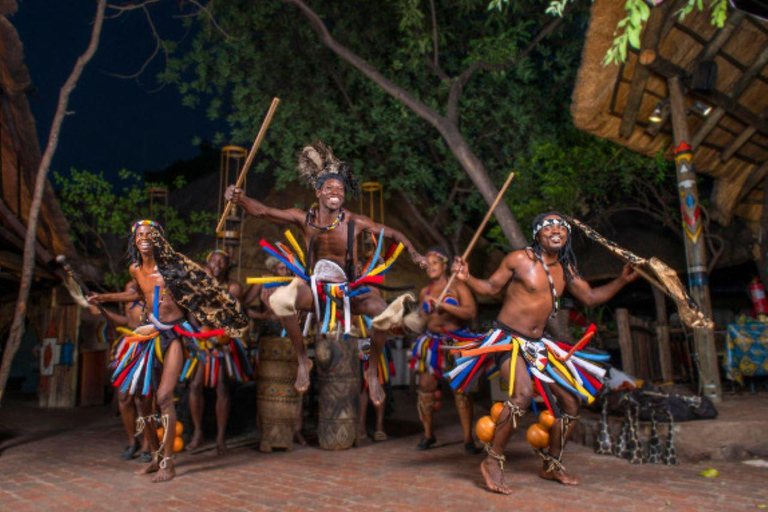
[
  {"x": 302, "y": 376},
  {"x": 197, "y": 440},
  {"x": 379, "y": 435},
  {"x": 299, "y": 438},
  {"x": 559, "y": 475},
  {"x": 494, "y": 476},
  {"x": 221, "y": 448},
  {"x": 165, "y": 474},
  {"x": 375, "y": 390},
  {"x": 152, "y": 467}
]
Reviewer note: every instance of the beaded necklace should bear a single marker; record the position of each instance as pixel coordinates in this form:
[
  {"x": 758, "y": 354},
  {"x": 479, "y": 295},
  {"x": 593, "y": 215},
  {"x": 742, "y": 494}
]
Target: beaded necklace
[
  {"x": 555, "y": 298},
  {"x": 333, "y": 225}
]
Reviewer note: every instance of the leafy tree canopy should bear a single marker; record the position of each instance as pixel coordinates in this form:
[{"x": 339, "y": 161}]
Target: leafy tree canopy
[{"x": 514, "y": 118}]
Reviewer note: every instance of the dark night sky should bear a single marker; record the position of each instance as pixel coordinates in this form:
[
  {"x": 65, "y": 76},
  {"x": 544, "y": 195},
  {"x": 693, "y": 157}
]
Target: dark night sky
[{"x": 118, "y": 123}]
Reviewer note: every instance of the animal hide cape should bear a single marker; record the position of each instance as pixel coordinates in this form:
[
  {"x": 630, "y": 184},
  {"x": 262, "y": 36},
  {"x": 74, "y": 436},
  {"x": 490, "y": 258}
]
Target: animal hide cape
[
  {"x": 194, "y": 290},
  {"x": 658, "y": 274}
]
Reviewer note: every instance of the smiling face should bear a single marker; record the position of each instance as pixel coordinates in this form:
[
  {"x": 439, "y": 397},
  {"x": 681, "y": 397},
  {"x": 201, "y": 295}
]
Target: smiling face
[
  {"x": 435, "y": 267},
  {"x": 143, "y": 240},
  {"x": 217, "y": 265},
  {"x": 331, "y": 194},
  {"x": 553, "y": 237}
]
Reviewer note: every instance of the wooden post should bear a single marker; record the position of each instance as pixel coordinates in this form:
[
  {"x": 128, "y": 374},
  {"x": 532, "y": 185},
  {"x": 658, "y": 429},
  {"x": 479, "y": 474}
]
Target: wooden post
[
  {"x": 695, "y": 250},
  {"x": 625, "y": 342},
  {"x": 762, "y": 263},
  {"x": 662, "y": 334}
]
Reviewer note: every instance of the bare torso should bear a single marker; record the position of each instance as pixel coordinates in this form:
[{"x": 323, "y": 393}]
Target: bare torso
[
  {"x": 439, "y": 320},
  {"x": 147, "y": 278},
  {"x": 332, "y": 244},
  {"x": 528, "y": 296}
]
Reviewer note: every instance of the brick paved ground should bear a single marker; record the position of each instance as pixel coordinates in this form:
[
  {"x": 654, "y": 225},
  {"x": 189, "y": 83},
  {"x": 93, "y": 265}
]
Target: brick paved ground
[{"x": 67, "y": 460}]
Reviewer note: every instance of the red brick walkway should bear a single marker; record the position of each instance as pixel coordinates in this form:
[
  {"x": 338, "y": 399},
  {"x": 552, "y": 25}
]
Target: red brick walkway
[{"x": 68, "y": 460}]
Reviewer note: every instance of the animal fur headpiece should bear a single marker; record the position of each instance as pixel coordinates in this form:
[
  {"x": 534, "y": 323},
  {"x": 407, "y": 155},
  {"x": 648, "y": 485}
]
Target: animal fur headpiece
[{"x": 318, "y": 164}]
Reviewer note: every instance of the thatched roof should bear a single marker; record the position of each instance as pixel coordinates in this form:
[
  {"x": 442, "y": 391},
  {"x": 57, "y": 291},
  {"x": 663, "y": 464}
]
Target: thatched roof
[
  {"x": 20, "y": 158},
  {"x": 731, "y": 143}
]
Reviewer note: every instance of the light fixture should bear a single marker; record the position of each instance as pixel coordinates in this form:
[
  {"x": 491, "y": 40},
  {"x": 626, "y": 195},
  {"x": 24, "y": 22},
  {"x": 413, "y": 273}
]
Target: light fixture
[
  {"x": 657, "y": 115},
  {"x": 702, "y": 108}
]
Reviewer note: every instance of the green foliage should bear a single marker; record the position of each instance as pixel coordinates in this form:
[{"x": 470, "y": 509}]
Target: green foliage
[
  {"x": 629, "y": 28},
  {"x": 515, "y": 117},
  {"x": 100, "y": 215}
]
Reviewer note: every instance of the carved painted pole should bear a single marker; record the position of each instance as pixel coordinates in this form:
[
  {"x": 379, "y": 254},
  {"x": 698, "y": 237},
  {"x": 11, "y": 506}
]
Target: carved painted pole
[{"x": 695, "y": 249}]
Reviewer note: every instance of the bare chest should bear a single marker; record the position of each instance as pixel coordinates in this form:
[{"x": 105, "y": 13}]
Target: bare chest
[{"x": 535, "y": 279}]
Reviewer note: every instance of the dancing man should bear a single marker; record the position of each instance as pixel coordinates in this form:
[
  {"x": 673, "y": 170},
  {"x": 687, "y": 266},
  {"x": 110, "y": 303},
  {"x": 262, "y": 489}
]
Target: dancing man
[
  {"x": 446, "y": 326},
  {"x": 168, "y": 282},
  {"x": 125, "y": 401},
  {"x": 535, "y": 278},
  {"x": 331, "y": 233},
  {"x": 220, "y": 361}
]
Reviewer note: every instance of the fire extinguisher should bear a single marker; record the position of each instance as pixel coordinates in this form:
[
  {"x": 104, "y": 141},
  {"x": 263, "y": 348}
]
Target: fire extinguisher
[{"x": 757, "y": 294}]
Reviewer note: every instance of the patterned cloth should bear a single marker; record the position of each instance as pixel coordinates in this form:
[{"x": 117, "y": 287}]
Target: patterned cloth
[{"x": 746, "y": 351}]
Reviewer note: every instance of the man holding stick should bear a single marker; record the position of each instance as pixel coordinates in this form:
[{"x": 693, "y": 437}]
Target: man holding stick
[
  {"x": 329, "y": 279},
  {"x": 535, "y": 279}
]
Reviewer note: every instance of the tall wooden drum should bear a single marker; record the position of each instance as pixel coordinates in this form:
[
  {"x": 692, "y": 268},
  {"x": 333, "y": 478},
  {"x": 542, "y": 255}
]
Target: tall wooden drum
[
  {"x": 277, "y": 399},
  {"x": 338, "y": 372}
]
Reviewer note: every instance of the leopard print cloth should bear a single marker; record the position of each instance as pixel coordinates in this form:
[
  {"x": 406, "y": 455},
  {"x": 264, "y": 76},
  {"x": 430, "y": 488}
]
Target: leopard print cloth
[{"x": 194, "y": 290}]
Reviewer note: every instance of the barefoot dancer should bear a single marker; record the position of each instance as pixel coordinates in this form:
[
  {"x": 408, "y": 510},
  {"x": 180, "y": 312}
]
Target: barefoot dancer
[
  {"x": 331, "y": 233},
  {"x": 535, "y": 278},
  {"x": 125, "y": 401},
  {"x": 168, "y": 281},
  {"x": 446, "y": 325},
  {"x": 218, "y": 362}
]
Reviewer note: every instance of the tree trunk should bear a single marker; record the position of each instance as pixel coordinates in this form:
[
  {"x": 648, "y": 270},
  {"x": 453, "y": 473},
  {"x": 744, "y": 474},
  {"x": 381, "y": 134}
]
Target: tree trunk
[
  {"x": 447, "y": 128},
  {"x": 28, "y": 265}
]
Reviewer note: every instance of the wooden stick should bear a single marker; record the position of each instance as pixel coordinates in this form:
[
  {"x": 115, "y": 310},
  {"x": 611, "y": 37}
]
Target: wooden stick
[
  {"x": 477, "y": 234},
  {"x": 249, "y": 160},
  {"x": 62, "y": 260}
]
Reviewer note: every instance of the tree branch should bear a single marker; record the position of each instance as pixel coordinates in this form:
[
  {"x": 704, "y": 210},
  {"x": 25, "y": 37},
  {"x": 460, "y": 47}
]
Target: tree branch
[
  {"x": 458, "y": 84},
  {"x": 434, "y": 233},
  {"x": 28, "y": 265},
  {"x": 435, "y": 65}
]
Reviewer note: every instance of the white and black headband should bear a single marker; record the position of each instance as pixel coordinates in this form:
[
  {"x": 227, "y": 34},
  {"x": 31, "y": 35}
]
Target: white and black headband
[{"x": 551, "y": 222}]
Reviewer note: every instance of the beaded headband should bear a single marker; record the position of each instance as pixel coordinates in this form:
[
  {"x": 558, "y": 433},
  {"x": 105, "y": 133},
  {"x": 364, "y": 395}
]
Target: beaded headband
[
  {"x": 551, "y": 222},
  {"x": 442, "y": 257},
  {"x": 152, "y": 223},
  {"x": 217, "y": 251}
]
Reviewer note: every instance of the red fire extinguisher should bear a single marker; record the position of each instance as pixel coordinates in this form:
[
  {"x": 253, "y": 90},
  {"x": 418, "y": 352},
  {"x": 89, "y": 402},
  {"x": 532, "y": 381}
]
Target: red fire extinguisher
[{"x": 757, "y": 294}]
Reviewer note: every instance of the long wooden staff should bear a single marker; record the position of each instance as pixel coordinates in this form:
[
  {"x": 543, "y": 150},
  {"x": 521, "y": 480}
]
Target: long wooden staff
[
  {"x": 477, "y": 234},
  {"x": 249, "y": 160},
  {"x": 62, "y": 260}
]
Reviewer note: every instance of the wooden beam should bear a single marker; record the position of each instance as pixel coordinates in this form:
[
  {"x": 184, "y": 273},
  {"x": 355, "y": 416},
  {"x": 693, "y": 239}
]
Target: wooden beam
[
  {"x": 668, "y": 70},
  {"x": 739, "y": 141},
  {"x": 762, "y": 263},
  {"x": 625, "y": 341},
  {"x": 650, "y": 42},
  {"x": 721, "y": 37},
  {"x": 662, "y": 334},
  {"x": 756, "y": 176},
  {"x": 738, "y": 89}
]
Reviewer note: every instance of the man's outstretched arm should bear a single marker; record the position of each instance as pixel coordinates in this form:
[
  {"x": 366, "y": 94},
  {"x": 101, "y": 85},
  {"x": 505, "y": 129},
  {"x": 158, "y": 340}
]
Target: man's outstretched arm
[
  {"x": 591, "y": 297},
  {"x": 490, "y": 286},
  {"x": 258, "y": 209}
]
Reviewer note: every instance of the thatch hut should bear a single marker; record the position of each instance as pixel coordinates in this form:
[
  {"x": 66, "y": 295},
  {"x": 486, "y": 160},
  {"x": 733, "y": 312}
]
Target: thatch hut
[
  {"x": 691, "y": 89},
  {"x": 50, "y": 313}
]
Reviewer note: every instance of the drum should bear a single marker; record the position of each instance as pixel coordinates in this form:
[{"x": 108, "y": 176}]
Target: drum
[
  {"x": 338, "y": 372},
  {"x": 278, "y": 401}
]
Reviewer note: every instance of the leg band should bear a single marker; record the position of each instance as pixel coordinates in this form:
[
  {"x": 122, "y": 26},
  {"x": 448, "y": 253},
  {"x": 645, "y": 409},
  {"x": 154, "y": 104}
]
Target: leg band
[{"x": 426, "y": 403}]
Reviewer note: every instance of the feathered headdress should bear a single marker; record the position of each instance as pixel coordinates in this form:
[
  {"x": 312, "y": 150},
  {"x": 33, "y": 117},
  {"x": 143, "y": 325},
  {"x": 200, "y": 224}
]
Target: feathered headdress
[{"x": 317, "y": 164}]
